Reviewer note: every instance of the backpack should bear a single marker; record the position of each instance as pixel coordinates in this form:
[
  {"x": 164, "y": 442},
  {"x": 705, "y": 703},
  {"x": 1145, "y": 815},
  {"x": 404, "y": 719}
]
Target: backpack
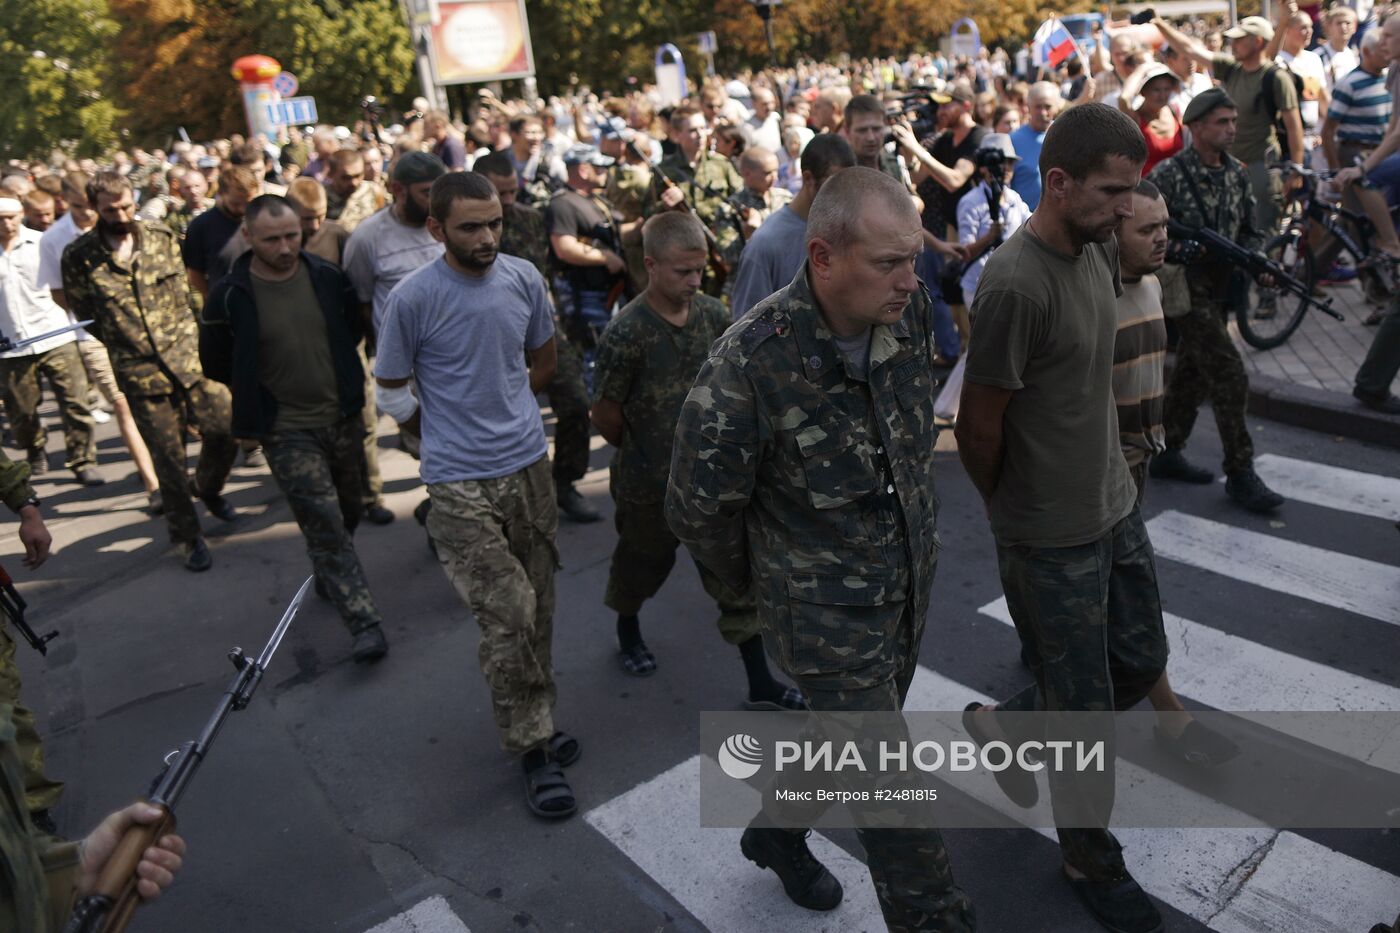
[{"x": 1267, "y": 95}]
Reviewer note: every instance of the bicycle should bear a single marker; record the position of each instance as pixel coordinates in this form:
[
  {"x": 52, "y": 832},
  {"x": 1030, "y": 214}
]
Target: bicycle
[
  {"x": 1301, "y": 248},
  {"x": 1329, "y": 230}
]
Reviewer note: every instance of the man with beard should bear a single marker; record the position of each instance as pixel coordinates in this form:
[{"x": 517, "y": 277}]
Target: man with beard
[
  {"x": 1038, "y": 435},
  {"x": 379, "y": 254},
  {"x": 79, "y": 219},
  {"x": 124, "y": 275},
  {"x": 208, "y": 234},
  {"x": 463, "y": 327},
  {"x": 281, "y": 331}
]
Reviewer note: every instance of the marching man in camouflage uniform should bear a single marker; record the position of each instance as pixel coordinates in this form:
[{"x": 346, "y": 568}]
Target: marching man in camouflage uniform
[
  {"x": 41, "y": 792},
  {"x": 647, "y": 359},
  {"x": 1205, "y": 186},
  {"x": 803, "y": 473},
  {"x": 759, "y": 200},
  {"x": 281, "y": 330},
  {"x": 128, "y": 277}
]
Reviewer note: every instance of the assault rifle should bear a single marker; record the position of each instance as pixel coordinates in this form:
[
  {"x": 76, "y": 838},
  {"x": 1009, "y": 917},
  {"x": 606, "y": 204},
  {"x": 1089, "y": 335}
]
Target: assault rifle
[
  {"x": 717, "y": 261},
  {"x": 1253, "y": 263},
  {"x": 109, "y": 907},
  {"x": 13, "y": 605}
]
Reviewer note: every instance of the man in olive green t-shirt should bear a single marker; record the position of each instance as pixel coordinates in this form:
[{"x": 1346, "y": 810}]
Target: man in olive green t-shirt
[
  {"x": 1242, "y": 74},
  {"x": 1038, "y": 435}
]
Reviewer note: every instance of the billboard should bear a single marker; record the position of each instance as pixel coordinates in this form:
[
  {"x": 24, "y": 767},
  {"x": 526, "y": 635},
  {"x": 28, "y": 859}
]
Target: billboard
[{"x": 480, "y": 40}]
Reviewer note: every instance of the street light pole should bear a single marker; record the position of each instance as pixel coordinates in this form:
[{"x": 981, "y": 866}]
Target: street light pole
[{"x": 765, "y": 12}]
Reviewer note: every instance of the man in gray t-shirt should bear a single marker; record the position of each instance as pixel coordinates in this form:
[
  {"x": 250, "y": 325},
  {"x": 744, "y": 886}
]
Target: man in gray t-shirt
[
  {"x": 1038, "y": 434},
  {"x": 463, "y": 328}
]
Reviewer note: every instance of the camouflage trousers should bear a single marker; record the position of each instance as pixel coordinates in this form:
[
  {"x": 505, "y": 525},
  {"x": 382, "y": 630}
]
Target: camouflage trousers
[
  {"x": 371, "y": 482},
  {"x": 910, "y": 867},
  {"x": 495, "y": 540},
  {"x": 642, "y": 560},
  {"x": 319, "y": 470},
  {"x": 64, "y": 368},
  {"x": 1208, "y": 367},
  {"x": 568, "y": 396},
  {"x": 161, "y": 421},
  {"x": 1090, "y": 622},
  {"x": 40, "y": 791}
]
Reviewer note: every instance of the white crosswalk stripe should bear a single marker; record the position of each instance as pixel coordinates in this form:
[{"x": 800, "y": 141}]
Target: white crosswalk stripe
[
  {"x": 657, "y": 826},
  {"x": 1331, "y": 487},
  {"x": 1365, "y": 587},
  {"x": 1233, "y": 673},
  {"x": 433, "y": 915},
  {"x": 1255, "y": 880},
  {"x": 1206, "y": 872}
]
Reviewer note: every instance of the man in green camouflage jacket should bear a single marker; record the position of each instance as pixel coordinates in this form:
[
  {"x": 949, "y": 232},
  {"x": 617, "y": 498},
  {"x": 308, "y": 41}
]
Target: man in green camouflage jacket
[
  {"x": 704, "y": 182},
  {"x": 128, "y": 277},
  {"x": 803, "y": 471},
  {"x": 1205, "y": 186}
]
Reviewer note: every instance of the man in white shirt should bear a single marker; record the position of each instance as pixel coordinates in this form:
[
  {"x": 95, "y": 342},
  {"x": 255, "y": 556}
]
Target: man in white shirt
[
  {"x": 27, "y": 310},
  {"x": 978, "y": 229}
]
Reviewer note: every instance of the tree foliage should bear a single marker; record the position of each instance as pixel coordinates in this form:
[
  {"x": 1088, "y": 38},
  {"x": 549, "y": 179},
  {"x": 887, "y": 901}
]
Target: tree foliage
[
  {"x": 53, "y": 67},
  {"x": 176, "y": 54}
]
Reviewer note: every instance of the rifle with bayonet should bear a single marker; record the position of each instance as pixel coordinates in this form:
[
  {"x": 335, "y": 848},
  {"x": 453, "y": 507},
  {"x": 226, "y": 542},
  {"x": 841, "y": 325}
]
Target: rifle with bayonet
[
  {"x": 108, "y": 909},
  {"x": 1253, "y": 263},
  {"x": 12, "y": 605},
  {"x": 7, "y": 345}
]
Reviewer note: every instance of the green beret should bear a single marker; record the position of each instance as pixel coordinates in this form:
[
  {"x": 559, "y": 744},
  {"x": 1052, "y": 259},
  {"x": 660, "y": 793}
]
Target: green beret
[{"x": 1203, "y": 103}]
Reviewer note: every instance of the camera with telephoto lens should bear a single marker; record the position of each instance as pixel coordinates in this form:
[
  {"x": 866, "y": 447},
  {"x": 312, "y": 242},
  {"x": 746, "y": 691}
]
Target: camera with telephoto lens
[
  {"x": 1143, "y": 17},
  {"x": 993, "y": 160},
  {"x": 918, "y": 108}
]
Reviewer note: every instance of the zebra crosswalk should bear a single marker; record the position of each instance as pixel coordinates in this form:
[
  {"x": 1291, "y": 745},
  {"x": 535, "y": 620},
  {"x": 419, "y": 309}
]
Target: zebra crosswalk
[{"x": 1251, "y": 880}]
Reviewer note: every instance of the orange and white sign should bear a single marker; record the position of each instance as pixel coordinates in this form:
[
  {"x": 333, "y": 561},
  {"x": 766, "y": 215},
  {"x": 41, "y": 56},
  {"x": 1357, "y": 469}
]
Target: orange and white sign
[{"x": 481, "y": 40}]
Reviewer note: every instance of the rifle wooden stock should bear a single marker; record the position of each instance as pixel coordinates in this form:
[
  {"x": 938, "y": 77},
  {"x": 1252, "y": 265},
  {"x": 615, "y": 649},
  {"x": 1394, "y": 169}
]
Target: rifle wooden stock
[{"x": 117, "y": 883}]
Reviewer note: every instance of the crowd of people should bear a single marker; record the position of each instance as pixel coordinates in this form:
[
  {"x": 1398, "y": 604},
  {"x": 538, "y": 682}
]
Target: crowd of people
[{"x": 872, "y": 227}]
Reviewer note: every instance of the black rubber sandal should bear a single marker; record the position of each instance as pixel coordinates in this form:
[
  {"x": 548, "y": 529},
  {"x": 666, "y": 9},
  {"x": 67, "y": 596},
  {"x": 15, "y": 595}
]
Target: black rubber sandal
[
  {"x": 564, "y": 748},
  {"x": 547, "y": 794},
  {"x": 790, "y": 700},
  {"x": 1017, "y": 784},
  {"x": 637, "y": 660}
]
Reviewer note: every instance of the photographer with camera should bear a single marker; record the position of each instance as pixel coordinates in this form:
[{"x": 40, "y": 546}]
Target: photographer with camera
[{"x": 991, "y": 211}]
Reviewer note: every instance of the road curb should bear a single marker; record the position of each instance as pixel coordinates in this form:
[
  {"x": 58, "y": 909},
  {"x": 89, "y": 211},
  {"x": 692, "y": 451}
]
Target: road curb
[{"x": 1321, "y": 410}]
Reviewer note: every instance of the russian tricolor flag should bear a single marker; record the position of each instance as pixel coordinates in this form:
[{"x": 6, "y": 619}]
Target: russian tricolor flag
[{"x": 1053, "y": 43}]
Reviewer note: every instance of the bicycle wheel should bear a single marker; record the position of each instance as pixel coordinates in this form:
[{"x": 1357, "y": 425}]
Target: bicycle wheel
[{"x": 1269, "y": 316}]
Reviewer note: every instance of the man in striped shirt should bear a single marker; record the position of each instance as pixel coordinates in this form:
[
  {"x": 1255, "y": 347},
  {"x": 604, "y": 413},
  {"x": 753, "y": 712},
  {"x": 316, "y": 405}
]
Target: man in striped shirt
[
  {"x": 1360, "y": 109},
  {"x": 1139, "y": 352}
]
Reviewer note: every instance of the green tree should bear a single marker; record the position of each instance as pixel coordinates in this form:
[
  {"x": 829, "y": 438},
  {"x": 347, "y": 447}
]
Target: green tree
[
  {"x": 54, "y": 66},
  {"x": 176, "y": 56}
]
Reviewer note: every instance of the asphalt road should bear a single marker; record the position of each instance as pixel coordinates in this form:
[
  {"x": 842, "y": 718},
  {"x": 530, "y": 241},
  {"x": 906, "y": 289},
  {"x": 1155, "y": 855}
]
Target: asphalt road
[{"x": 349, "y": 798}]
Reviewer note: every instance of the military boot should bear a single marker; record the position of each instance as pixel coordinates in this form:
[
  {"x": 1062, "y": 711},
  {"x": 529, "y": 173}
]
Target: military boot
[{"x": 807, "y": 882}]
